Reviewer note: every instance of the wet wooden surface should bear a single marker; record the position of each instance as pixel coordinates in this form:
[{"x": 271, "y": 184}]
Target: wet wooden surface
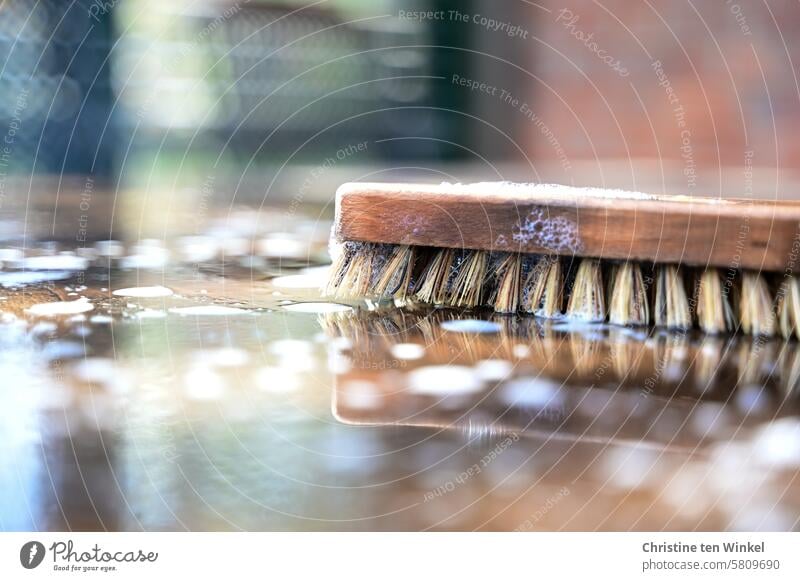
[{"x": 222, "y": 393}]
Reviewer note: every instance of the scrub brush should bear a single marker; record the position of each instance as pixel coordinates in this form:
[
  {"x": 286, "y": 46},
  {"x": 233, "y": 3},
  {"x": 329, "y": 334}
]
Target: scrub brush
[{"x": 587, "y": 254}]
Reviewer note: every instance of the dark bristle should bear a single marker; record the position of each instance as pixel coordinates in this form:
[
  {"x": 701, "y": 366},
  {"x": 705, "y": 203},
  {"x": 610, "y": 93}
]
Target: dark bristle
[
  {"x": 395, "y": 278},
  {"x": 433, "y": 282},
  {"x": 543, "y": 288},
  {"x": 467, "y": 287},
  {"x": 355, "y": 270}
]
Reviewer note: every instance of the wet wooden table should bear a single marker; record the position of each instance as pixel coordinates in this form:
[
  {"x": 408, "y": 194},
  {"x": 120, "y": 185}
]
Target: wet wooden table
[{"x": 201, "y": 383}]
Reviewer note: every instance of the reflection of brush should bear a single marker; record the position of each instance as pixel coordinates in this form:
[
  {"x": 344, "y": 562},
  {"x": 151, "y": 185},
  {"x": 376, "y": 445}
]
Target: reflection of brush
[
  {"x": 688, "y": 365},
  {"x": 538, "y": 376},
  {"x": 671, "y": 261}
]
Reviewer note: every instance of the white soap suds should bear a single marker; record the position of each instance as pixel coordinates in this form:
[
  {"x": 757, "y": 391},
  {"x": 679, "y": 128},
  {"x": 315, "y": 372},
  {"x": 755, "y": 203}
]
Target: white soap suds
[
  {"x": 60, "y": 308},
  {"x": 555, "y": 233},
  {"x": 55, "y": 262},
  {"x": 554, "y": 191},
  {"x": 317, "y": 308},
  {"x": 143, "y": 292},
  {"x": 209, "y": 311}
]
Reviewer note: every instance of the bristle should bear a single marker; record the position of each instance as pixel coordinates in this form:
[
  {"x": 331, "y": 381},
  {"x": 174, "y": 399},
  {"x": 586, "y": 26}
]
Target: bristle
[
  {"x": 355, "y": 269},
  {"x": 789, "y": 307},
  {"x": 756, "y": 309},
  {"x": 432, "y": 287},
  {"x": 789, "y": 365},
  {"x": 714, "y": 312},
  {"x": 586, "y": 301},
  {"x": 338, "y": 269},
  {"x": 473, "y": 278},
  {"x": 466, "y": 289},
  {"x": 395, "y": 278},
  {"x": 628, "y": 305},
  {"x": 671, "y": 303},
  {"x": 506, "y": 295},
  {"x": 543, "y": 288}
]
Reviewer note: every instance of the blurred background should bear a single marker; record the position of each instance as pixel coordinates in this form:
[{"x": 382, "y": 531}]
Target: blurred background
[{"x": 195, "y": 102}]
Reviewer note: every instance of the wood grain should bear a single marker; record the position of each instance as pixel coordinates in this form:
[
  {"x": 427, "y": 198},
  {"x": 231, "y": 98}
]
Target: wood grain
[{"x": 759, "y": 235}]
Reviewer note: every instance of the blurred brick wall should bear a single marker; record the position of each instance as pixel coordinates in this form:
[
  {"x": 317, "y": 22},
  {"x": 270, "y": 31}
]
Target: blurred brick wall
[{"x": 725, "y": 91}]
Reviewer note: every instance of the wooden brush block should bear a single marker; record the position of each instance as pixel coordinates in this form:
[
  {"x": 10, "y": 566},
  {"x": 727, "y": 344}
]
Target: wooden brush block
[{"x": 548, "y": 219}]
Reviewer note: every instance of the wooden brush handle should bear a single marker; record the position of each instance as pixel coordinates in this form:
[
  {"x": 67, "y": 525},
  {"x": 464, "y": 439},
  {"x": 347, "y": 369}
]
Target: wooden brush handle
[{"x": 543, "y": 219}]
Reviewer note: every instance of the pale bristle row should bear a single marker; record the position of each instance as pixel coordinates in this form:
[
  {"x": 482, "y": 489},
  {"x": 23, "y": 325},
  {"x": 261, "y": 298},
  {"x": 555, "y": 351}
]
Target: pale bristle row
[
  {"x": 756, "y": 307},
  {"x": 670, "y": 303},
  {"x": 629, "y": 303},
  {"x": 587, "y": 301},
  {"x": 789, "y": 307},
  {"x": 714, "y": 311},
  {"x": 623, "y": 293}
]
